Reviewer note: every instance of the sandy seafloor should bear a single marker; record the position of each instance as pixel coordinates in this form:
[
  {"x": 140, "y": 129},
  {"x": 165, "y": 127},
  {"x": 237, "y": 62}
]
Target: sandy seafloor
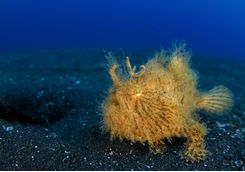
[{"x": 50, "y": 115}]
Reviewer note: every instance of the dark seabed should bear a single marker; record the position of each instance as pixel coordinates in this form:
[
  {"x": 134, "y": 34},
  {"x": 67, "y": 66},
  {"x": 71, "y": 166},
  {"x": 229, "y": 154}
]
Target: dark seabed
[{"x": 50, "y": 115}]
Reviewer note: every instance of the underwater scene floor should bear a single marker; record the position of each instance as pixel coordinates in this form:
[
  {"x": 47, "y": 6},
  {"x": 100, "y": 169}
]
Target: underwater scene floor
[{"x": 50, "y": 115}]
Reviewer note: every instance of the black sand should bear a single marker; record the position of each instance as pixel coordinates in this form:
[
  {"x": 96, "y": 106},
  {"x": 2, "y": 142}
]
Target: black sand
[{"x": 50, "y": 116}]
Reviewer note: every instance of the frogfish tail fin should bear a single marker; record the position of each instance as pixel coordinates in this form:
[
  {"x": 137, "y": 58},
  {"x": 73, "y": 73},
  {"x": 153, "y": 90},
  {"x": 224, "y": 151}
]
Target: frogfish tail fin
[{"x": 218, "y": 100}]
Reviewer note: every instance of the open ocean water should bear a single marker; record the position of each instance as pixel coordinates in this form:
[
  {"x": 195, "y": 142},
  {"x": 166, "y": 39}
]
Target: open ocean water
[{"x": 53, "y": 79}]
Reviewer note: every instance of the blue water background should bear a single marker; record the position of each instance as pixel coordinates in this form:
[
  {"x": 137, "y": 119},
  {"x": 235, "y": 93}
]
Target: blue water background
[{"x": 214, "y": 28}]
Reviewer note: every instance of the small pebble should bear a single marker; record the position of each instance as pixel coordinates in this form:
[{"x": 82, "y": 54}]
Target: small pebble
[
  {"x": 40, "y": 94},
  {"x": 148, "y": 166},
  {"x": 8, "y": 128},
  {"x": 220, "y": 125},
  {"x": 239, "y": 163},
  {"x": 78, "y": 82}
]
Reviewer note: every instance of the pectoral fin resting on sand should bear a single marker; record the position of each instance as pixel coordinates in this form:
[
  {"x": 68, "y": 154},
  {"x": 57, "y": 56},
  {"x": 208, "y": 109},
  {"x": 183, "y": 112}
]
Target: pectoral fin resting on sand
[{"x": 159, "y": 101}]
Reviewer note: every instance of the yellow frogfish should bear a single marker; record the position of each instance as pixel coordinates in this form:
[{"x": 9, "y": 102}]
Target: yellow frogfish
[{"x": 159, "y": 102}]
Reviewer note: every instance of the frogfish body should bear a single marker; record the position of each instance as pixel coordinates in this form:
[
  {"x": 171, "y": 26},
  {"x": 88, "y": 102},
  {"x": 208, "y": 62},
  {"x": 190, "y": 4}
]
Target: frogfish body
[{"x": 160, "y": 102}]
